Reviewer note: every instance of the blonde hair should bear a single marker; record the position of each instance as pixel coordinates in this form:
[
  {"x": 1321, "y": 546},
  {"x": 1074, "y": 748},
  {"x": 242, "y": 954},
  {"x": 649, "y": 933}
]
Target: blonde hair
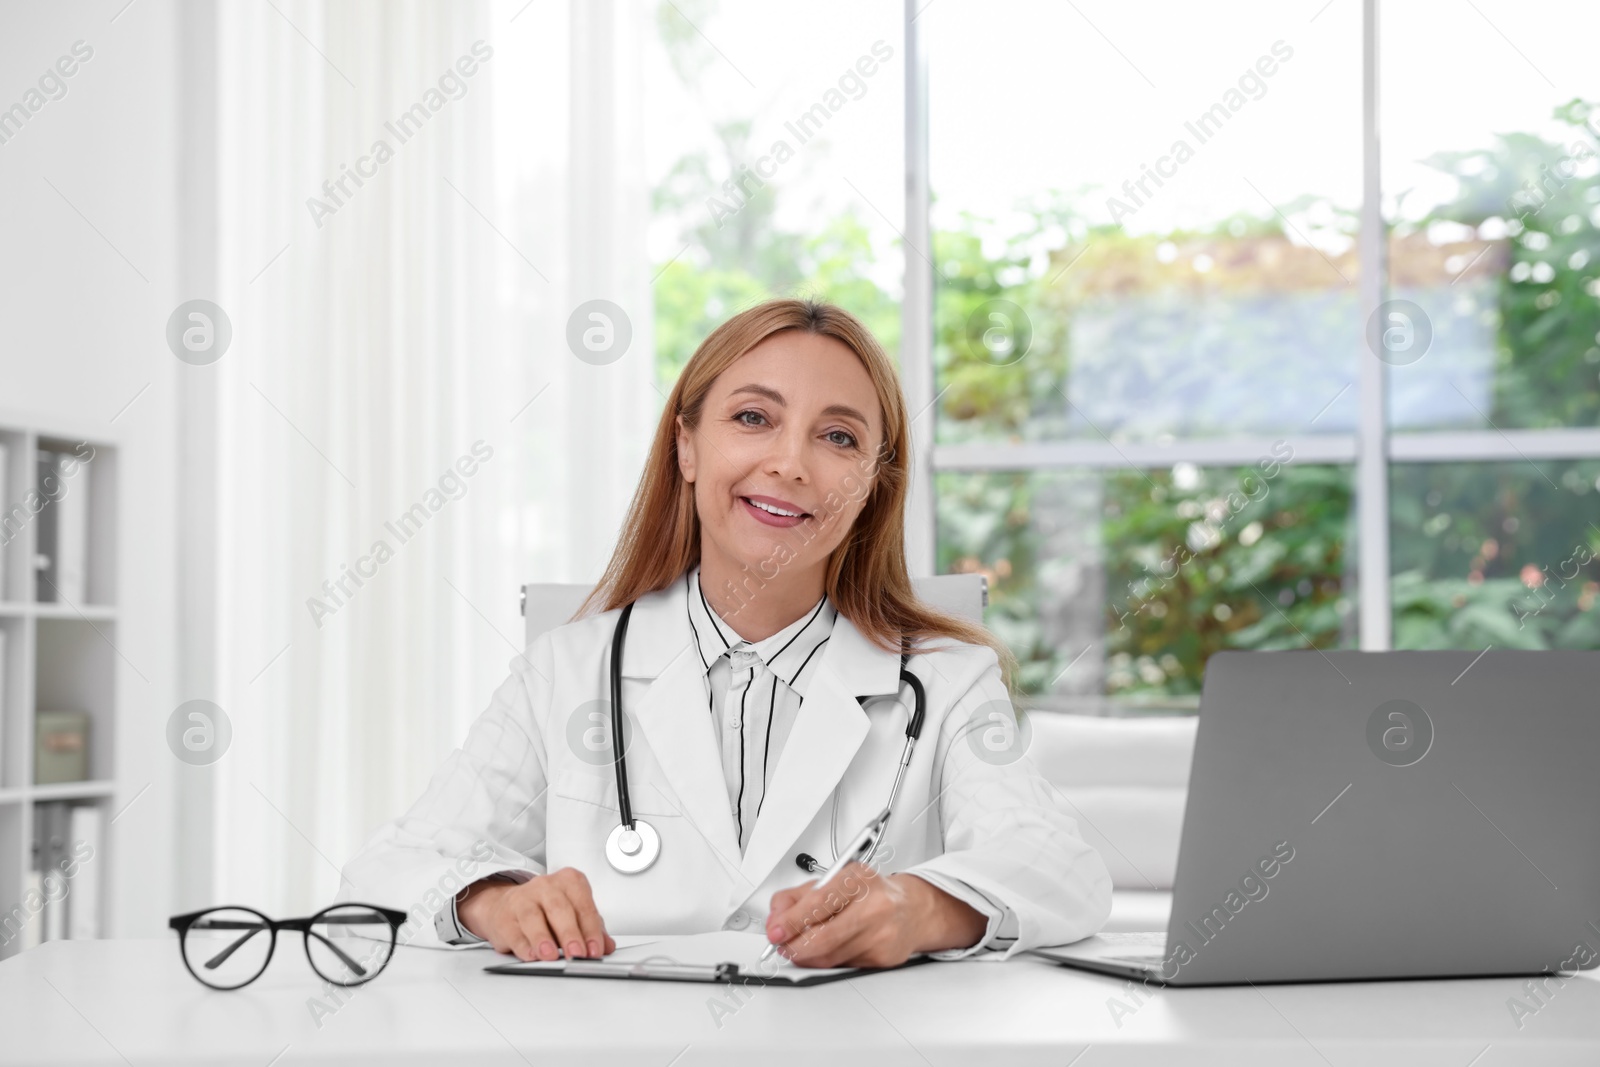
[{"x": 866, "y": 578}]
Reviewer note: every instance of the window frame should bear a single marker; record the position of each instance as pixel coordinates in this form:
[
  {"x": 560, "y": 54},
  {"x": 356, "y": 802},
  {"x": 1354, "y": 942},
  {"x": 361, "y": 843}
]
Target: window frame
[{"x": 1372, "y": 449}]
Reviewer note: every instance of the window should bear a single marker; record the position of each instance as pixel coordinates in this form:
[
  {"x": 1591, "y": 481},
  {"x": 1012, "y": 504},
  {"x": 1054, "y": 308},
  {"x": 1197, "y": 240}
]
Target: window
[
  {"x": 775, "y": 163},
  {"x": 1207, "y": 370},
  {"x": 1492, "y": 214},
  {"x": 1148, "y": 275}
]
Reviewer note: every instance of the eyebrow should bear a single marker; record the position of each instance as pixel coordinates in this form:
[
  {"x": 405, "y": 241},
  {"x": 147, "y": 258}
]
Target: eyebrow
[{"x": 777, "y": 398}]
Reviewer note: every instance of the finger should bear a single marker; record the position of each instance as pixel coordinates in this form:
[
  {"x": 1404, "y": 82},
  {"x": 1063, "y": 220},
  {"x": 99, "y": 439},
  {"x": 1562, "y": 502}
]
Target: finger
[
  {"x": 823, "y": 943},
  {"x": 842, "y": 928},
  {"x": 783, "y": 899},
  {"x": 503, "y": 930},
  {"x": 793, "y": 893},
  {"x": 803, "y": 907},
  {"x": 611, "y": 945},
  {"x": 590, "y": 928},
  {"x": 817, "y": 904},
  {"x": 563, "y": 920},
  {"x": 811, "y": 908},
  {"x": 804, "y": 927},
  {"x": 533, "y": 928},
  {"x": 836, "y": 943},
  {"x": 519, "y": 946}
]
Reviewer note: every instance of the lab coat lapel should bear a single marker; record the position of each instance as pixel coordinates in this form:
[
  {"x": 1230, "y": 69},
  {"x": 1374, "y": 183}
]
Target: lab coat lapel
[
  {"x": 827, "y": 733},
  {"x": 675, "y": 721}
]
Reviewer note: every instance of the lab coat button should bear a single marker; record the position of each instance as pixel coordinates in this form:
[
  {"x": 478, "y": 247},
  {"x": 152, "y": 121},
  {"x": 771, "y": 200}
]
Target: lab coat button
[{"x": 738, "y": 921}]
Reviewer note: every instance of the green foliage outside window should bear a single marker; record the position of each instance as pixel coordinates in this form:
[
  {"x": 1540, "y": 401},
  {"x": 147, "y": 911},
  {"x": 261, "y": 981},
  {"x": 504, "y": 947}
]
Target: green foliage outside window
[{"x": 1471, "y": 543}]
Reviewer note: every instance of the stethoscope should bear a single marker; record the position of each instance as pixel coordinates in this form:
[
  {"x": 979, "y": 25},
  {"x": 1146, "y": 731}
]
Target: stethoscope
[{"x": 634, "y": 844}]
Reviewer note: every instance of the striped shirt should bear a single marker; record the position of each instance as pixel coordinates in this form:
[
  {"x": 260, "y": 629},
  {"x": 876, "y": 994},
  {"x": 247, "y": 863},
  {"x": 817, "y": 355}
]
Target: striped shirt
[{"x": 754, "y": 693}]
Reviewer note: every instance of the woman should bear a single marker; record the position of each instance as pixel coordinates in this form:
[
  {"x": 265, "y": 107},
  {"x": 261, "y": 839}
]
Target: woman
[{"x": 763, "y": 558}]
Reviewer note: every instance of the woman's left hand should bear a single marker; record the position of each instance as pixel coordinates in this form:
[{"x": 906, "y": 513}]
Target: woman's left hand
[{"x": 863, "y": 918}]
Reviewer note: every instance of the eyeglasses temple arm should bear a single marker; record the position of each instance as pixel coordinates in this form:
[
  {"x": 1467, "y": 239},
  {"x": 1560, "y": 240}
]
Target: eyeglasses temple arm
[
  {"x": 222, "y": 957},
  {"x": 337, "y": 951}
]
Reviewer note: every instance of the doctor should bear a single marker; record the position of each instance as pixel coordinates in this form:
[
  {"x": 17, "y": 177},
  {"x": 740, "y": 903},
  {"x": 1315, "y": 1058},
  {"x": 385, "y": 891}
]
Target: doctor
[{"x": 763, "y": 560}]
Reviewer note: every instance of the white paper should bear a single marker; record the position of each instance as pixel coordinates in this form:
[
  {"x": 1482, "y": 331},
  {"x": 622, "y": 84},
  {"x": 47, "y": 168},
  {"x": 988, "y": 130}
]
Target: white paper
[
  {"x": 704, "y": 950},
  {"x": 707, "y": 949}
]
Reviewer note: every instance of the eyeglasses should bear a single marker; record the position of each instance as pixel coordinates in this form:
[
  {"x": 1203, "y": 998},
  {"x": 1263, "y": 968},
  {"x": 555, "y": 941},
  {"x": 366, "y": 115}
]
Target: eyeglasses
[{"x": 347, "y": 944}]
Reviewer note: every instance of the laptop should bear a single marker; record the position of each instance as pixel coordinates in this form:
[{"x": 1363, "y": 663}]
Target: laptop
[{"x": 1377, "y": 815}]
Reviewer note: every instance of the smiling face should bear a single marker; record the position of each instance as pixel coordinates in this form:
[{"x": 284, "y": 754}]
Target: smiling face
[{"x": 782, "y": 460}]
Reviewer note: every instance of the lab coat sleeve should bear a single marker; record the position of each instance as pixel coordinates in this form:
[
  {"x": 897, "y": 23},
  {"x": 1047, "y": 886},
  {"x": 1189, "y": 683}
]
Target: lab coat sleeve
[
  {"x": 1002, "y": 926},
  {"x": 483, "y": 811},
  {"x": 1006, "y": 832}
]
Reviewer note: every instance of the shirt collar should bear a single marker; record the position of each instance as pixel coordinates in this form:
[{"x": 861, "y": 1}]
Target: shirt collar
[{"x": 785, "y": 653}]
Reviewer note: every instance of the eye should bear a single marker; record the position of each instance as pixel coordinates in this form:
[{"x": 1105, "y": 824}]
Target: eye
[
  {"x": 849, "y": 438},
  {"x": 739, "y": 418}
]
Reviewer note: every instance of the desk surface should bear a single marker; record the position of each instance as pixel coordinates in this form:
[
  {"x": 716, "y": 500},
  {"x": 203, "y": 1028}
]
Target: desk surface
[{"x": 120, "y": 1002}]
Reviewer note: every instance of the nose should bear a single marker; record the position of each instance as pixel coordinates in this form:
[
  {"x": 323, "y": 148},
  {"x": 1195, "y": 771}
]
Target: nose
[{"x": 788, "y": 458}]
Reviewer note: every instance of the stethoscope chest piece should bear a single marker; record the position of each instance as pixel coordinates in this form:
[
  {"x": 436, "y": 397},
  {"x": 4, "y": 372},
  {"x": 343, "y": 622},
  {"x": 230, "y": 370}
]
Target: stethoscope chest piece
[{"x": 631, "y": 851}]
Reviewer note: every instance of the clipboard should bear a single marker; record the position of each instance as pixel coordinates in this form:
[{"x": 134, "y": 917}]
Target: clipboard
[{"x": 674, "y": 959}]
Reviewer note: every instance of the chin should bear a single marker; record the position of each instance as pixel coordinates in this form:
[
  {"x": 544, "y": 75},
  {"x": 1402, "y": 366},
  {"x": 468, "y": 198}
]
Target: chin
[{"x": 761, "y": 557}]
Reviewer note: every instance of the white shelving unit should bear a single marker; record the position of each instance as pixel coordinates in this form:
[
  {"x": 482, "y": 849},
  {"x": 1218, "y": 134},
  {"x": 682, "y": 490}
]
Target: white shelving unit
[{"x": 57, "y": 655}]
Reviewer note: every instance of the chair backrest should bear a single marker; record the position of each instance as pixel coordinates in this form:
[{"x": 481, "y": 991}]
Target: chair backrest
[
  {"x": 1126, "y": 781},
  {"x": 546, "y": 605}
]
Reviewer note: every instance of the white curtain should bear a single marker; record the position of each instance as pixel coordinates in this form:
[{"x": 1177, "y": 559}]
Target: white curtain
[{"x": 382, "y": 330}]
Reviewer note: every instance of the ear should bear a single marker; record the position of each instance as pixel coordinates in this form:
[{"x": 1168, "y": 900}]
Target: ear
[{"x": 686, "y": 456}]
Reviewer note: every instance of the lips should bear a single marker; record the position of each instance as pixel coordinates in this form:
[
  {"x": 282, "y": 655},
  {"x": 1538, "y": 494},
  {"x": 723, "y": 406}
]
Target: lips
[
  {"x": 779, "y": 503},
  {"x": 773, "y": 511}
]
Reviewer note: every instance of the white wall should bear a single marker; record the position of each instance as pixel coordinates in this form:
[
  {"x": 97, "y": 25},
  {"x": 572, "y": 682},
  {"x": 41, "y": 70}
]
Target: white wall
[{"x": 82, "y": 334}]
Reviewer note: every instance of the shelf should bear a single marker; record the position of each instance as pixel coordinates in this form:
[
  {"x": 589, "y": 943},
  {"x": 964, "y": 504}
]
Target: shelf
[
  {"x": 17, "y": 609},
  {"x": 92, "y": 612},
  {"x": 70, "y": 790},
  {"x": 87, "y": 790},
  {"x": 58, "y": 655}
]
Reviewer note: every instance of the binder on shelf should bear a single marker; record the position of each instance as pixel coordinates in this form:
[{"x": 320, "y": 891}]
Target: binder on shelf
[
  {"x": 83, "y": 896},
  {"x": 72, "y": 528},
  {"x": 3, "y": 690},
  {"x": 7, "y": 529},
  {"x": 33, "y": 922},
  {"x": 62, "y": 545},
  {"x": 51, "y": 826},
  {"x": 61, "y": 747},
  {"x": 46, "y": 578}
]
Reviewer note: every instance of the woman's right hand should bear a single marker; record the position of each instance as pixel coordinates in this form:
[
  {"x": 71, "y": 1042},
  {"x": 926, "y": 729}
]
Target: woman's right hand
[{"x": 529, "y": 920}]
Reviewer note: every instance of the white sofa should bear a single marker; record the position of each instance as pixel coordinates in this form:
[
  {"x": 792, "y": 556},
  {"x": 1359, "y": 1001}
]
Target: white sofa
[{"x": 1126, "y": 780}]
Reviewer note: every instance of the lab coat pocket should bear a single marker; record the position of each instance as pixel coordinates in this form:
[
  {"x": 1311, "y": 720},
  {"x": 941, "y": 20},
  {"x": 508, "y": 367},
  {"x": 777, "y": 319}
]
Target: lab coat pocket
[{"x": 597, "y": 786}]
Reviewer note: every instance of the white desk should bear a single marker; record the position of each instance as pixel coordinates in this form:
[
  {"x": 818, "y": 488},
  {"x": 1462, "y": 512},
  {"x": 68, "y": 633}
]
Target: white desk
[{"x": 116, "y": 1002}]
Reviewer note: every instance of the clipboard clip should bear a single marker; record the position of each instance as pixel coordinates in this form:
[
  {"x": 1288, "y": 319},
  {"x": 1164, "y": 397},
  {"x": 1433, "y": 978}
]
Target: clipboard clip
[{"x": 654, "y": 967}]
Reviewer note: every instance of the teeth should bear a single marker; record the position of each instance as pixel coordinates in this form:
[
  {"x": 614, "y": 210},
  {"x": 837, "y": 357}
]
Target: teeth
[{"x": 773, "y": 510}]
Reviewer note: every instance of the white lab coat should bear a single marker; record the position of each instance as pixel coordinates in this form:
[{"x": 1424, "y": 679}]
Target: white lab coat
[{"x": 527, "y": 792}]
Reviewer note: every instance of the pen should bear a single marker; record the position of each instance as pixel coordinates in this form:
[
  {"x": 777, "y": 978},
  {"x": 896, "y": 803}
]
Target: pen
[{"x": 865, "y": 843}]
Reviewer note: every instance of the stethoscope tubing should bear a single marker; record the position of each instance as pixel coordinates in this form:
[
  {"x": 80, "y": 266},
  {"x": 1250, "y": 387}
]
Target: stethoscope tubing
[{"x": 624, "y": 802}]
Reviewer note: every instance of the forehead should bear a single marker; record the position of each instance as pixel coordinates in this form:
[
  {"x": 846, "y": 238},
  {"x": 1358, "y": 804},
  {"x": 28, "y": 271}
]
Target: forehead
[{"x": 808, "y": 370}]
